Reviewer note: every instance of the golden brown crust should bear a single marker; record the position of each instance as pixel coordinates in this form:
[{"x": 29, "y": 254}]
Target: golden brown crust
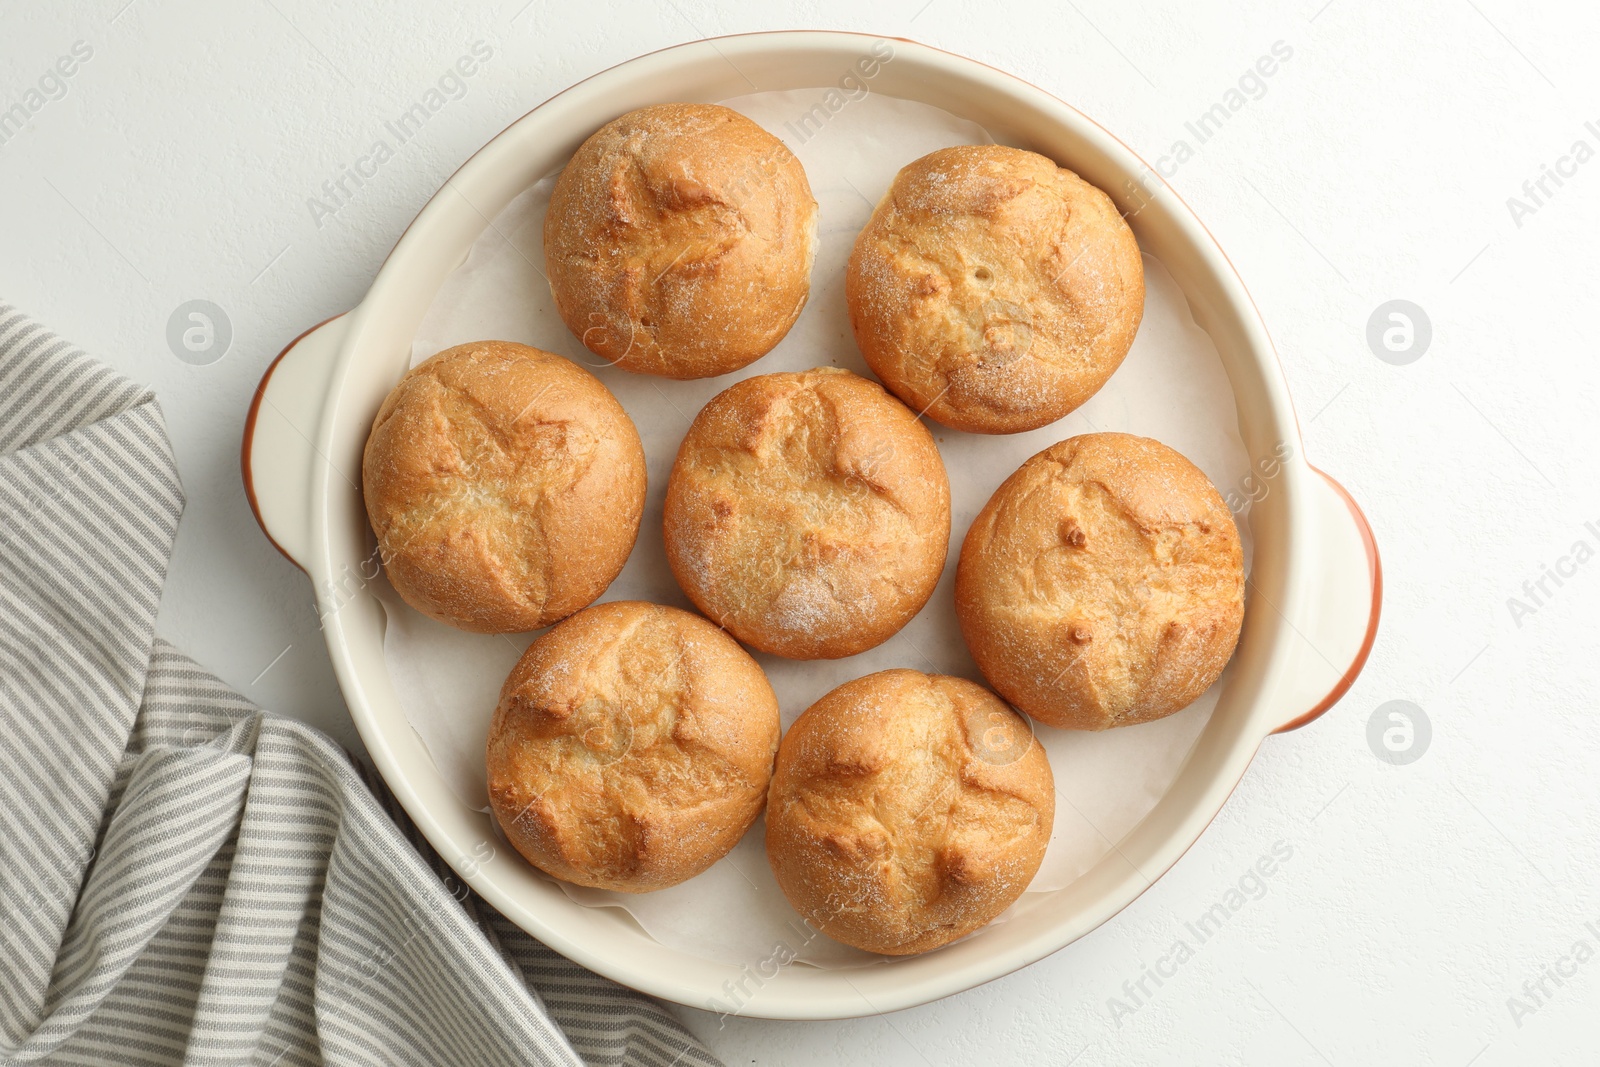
[
  {"x": 632, "y": 747},
  {"x": 994, "y": 290},
  {"x": 808, "y": 513},
  {"x": 908, "y": 810},
  {"x": 1102, "y": 584},
  {"x": 505, "y": 485},
  {"x": 679, "y": 241}
]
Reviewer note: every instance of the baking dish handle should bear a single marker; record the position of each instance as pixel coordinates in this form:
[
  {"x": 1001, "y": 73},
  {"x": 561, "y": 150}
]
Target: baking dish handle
[
  {"x": 1333, "y": 642},
  {"x": 278, "y": 454}
]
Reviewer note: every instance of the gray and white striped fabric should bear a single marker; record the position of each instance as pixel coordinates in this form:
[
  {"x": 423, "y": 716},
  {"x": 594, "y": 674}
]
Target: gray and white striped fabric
[{"x": 185, "y": 878}]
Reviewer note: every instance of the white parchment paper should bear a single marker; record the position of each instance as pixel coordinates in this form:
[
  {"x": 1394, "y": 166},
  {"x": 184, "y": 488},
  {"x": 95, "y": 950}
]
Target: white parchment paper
[{"x": 1171, "y": 387}]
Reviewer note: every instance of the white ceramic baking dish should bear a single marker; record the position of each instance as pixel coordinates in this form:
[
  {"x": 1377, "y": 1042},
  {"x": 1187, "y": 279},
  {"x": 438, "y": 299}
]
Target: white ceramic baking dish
[{"x": 1313, "y": 600}]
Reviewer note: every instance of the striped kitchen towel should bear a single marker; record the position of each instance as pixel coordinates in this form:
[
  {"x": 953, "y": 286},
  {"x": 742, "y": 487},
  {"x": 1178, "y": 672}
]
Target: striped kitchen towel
[{"x": 183, "y": 877}]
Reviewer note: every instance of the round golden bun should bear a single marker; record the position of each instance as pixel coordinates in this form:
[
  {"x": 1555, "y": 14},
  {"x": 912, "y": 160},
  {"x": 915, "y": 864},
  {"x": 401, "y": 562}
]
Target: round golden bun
[
  {"x": 632, "y": 747},
  {"x": 1103, "y": 583},
  {"x": 679, "y": 241},
  {"x": 994, "y": 290},
  {"x": 505, "y": 485},
  {"x": 908, "y": 810},
  {"x": 809, "y": 514}
]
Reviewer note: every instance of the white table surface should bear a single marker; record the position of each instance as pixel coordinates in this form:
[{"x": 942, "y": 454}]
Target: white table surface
[{"x": 1419, "y": 899}]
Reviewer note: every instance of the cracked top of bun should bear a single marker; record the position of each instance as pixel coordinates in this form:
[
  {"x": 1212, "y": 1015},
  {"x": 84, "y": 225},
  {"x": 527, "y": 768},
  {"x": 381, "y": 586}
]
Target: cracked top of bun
[
  {"x": 908, "y": 810},
  {"x": 679, "y": 241},
  {"x": 632, "y": 747},
  {"x": 808, "y": 513},
  {"x": 1102, "y": 584},
  {"x": 994, "y": 290},
  {"x": 505, "y": 485}
]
